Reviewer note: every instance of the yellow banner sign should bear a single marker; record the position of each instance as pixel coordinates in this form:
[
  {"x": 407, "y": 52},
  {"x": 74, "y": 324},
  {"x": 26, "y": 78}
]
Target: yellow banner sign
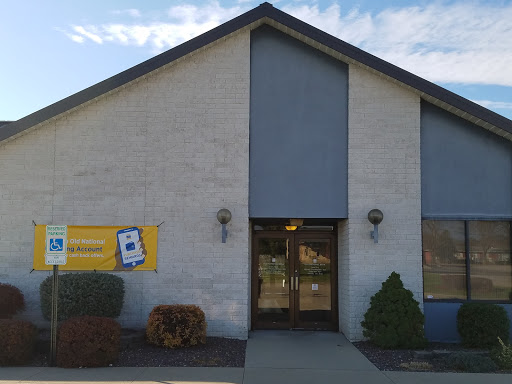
[{"x": 102, "y": 248}]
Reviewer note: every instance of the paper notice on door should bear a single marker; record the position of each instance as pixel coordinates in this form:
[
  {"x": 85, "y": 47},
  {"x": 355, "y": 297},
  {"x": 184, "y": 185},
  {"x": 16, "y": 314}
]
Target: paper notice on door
[{"x": 314, "y": 287}]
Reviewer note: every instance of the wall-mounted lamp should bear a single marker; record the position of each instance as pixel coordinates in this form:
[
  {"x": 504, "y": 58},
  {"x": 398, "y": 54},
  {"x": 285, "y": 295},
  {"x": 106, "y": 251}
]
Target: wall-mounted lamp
[
  {"x": 224, "y": 217},
  {"x": 294, "y": 224},
  {"x": 375, "y": 217}
]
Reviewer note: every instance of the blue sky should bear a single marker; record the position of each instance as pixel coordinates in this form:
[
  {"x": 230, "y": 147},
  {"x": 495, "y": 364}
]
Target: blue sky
[{"x": 54, "y": 48}]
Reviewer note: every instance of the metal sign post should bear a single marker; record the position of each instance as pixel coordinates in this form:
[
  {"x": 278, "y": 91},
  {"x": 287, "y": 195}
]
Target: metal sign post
[
  {"x": 53, "y": 327},
  {"x": 56, "y": 248}
]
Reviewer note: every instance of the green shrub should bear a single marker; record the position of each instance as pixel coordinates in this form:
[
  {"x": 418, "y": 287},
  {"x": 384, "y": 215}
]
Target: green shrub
[
  {"x": 502, "y": 355},
  {"x": 17, "y": 341},
  {"x": 470, "y": 362},
  {"x": 11, "y": 301},
  {"x": 82, "y": 294},
  {"x": 88, "y": 341},
  {"x": 175, "y": 326},
  {"x": 480, "y": 325},
  {"x": 394, "y": 319}
]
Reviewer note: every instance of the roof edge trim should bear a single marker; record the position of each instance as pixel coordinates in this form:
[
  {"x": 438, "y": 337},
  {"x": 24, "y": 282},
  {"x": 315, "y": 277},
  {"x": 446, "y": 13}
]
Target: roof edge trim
[
  {"x": 265, "y": 11},
  {"x": 133, "y": 73}
]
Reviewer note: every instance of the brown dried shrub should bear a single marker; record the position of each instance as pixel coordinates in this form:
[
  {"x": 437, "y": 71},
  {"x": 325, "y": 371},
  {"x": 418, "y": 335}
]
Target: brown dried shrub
[
  {"x": 11, "y": 301},
  {"x": 176, "y": 326},
  {"x": 88, "y": 341},
  {"x": 17, "y": 341}
]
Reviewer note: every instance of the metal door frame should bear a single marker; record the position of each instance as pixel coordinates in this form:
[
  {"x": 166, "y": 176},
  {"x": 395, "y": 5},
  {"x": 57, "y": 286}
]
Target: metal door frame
[{"x": 294, "y": 237}]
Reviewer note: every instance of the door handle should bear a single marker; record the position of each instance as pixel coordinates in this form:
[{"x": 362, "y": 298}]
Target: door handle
[
  {"x": 291, "y": 283},
  {"x": 297, "y": 283}
]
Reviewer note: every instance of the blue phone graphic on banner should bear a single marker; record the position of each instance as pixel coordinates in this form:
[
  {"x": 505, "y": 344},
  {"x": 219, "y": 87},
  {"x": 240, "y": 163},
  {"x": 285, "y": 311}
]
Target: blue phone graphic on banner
[{"x": 128, "y": 240}]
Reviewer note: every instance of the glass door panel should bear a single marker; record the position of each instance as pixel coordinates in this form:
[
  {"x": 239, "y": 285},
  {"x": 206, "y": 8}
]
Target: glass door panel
[
  {"x": 294, "y": 281},
  {"x": 273, "y": 282},
  {"x": 314, "y": 276}
]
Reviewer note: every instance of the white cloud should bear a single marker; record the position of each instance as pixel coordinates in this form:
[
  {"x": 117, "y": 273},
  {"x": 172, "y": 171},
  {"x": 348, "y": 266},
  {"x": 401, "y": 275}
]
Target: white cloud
[
  {"x": 91, "y": 32},
  {"x": 464, "y": 42},
  {"x": 76, "y": 38},
  {"x": 494, "y": 104},
  {"x": 182, "y": 22},
  {"x": 131, "y": 12}
]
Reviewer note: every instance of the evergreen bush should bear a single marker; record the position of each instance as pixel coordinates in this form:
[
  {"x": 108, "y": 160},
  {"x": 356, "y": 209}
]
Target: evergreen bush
[
  {"x": 176, "y": 326},
  {"x": 502, "y": 355},
  {"x": 88, "y": 341},
  {"x": 394, "y": 319},
  {"x": 80, "y": 294},
  {"x": 480, "y": 324},
  {"x": 12, "y": 301}
]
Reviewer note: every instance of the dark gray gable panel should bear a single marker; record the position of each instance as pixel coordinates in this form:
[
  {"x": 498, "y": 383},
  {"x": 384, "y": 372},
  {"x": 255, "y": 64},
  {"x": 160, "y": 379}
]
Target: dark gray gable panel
[
  {"x": 466, "y": 171},
  {"x": 298, "y": 129}
]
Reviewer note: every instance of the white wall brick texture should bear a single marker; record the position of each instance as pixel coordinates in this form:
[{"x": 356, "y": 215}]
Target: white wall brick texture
[
  {"x": 383, "y": 173},
  {"x": 172, "y": 146}
]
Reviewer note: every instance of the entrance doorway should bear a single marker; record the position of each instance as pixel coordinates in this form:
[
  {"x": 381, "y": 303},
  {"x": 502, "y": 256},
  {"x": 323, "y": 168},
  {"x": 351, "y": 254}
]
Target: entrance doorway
[{"x": 294, "y": 280}]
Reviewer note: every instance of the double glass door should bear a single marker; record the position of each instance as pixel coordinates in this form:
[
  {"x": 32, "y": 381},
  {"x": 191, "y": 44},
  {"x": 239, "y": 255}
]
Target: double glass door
[{"x": 294, "y": 281}]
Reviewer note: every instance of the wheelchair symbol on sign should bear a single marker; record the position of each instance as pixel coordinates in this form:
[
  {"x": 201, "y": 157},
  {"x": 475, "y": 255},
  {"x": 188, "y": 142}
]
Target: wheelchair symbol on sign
[{"x": 56, "y": 245}]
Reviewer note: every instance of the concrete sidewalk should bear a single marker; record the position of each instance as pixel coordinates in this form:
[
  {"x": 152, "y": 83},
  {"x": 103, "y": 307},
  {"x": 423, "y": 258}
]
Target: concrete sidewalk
[
  {"x": 271, "y": 357},
  {"x": 306, "y": 357},
  {"x": 122, "y": 375},
  {"x": 323, "y": 357}
]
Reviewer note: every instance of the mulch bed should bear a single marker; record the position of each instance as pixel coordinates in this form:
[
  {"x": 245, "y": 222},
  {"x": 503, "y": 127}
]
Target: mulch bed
[
  {"x": 217, "y": 352},
  {"x": 135, "y": 352},
  {"x": 391, "y": 359},
  {"x": 222, "y": 352},
  {"x": 431, "y": 359}
]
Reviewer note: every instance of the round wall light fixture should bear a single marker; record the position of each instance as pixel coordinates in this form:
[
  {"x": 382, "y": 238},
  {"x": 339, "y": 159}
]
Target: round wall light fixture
[
  {"x": 224, "y": 217},
  {"x": 375, "y": 216}
]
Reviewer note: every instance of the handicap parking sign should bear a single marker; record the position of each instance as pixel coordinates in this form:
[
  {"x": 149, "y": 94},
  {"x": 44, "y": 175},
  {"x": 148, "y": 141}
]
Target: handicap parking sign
[
  {"x": 56, "y": 239},
  {"x": 56, "y": 245}
]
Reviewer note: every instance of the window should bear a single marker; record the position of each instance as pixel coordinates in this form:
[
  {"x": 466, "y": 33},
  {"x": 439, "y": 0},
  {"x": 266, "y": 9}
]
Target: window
[
  {"x": 467, "y": 260},
  {"x": 444, "y": 260},
  {"x": 489, "y": 255}
]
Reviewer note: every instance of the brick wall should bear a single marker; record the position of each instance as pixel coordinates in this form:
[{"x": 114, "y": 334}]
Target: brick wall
[
  {"x": 26, "y": 191},
  {"x": 172, "y": 146},
  {"x": 383, "y": 173}
]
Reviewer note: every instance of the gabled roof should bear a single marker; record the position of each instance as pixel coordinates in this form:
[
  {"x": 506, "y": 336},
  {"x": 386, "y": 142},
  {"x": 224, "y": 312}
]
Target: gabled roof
[{"x": 266, "y": 13}]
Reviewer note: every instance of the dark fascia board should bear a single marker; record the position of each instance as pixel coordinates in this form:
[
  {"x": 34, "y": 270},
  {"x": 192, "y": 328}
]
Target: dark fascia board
[{"x": 262, "y": 11}]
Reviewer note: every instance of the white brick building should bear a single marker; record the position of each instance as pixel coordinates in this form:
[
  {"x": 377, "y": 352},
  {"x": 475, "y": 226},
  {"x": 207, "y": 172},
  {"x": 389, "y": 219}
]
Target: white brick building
[{"x": 274, "y": 120}]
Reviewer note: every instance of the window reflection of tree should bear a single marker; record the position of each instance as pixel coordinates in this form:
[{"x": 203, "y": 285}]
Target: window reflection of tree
[
  {"x": 309, "y": 251},
  {"x": 441, "y": 242},
  {"x": 272, "y": 263},
  {"x": 273, "y": 247},
  {"x": 485, "y": 236},
  {"x": 489, "y": 257}
]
